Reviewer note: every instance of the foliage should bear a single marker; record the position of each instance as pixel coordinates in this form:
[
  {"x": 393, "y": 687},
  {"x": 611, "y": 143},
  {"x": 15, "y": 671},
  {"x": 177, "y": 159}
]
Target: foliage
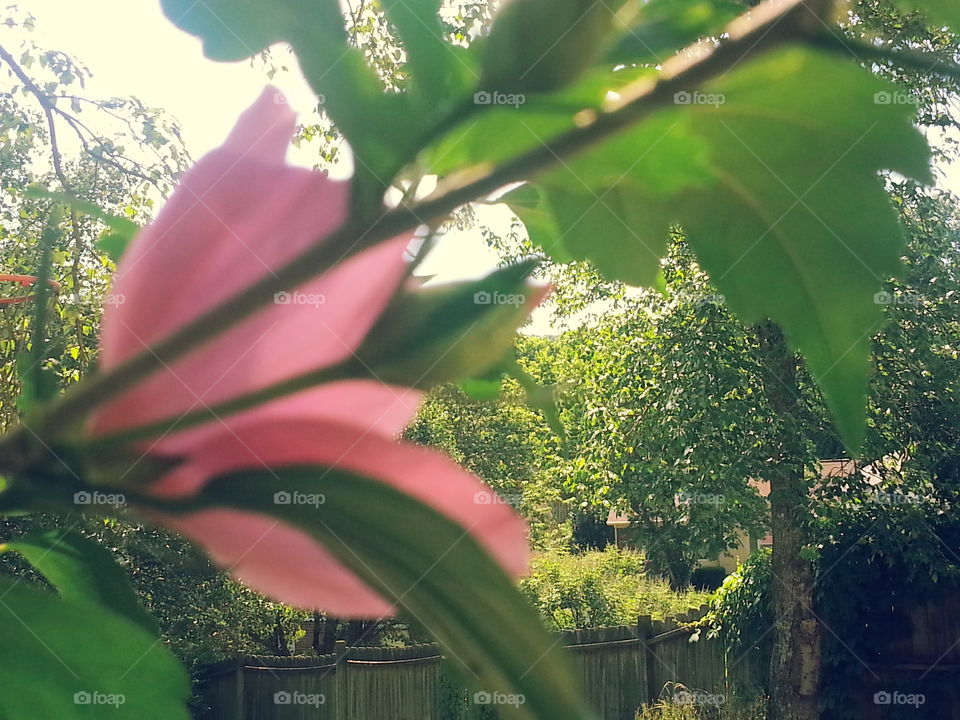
[
  {"x": 202, "y": 614},
  {"x": 741, "y": 607},
  {"x": 600, "y": 588},
  {"x": 504, "y": 442},
  {"x": 664, "y": 409}
]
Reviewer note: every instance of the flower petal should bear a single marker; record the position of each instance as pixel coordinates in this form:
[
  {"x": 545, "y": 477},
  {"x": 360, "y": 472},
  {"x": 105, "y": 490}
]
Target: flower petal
[
  {"x": 279, "y": 561},
  {"x": 425, "y": 474},
  {"x": 234, "y": 218},
  {"x": 366, "y": 405}
]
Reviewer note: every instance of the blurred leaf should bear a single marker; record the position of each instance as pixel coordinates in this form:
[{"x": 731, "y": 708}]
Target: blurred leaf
[
  {"x": 441, "y": 72},
  {"x": 120, "y": 225},
  {"x": 432, "y": 568},
  {"x": 482, "y": 388},
  {"x": 429, "y": 337},
  {"x": 538, "y": 46},
  {"x": 504, "y": 130},
  {"x": 83, "y": 571},
  {"x": 539, "y": 397},
  {"x": 37, "y": 382},
  {"x": 665, "y": 26},
  {"x": 75, "y": 661}
]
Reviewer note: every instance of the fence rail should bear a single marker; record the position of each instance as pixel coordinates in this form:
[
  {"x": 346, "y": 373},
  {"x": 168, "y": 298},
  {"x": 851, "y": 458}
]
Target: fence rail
[{"x": 621, "y": 668}]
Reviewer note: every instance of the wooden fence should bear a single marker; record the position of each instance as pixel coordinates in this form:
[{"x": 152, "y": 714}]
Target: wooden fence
[
  {"x": 356, "y": 683},
  {"x": 621, "y": 668}
]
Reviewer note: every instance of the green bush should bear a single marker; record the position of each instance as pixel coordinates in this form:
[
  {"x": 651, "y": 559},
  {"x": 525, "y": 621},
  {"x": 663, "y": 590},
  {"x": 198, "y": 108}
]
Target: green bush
[{"x": 595, "y": 589}]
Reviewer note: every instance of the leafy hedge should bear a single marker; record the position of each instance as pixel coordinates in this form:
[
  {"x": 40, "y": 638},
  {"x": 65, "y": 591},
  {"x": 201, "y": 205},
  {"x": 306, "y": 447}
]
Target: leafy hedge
[{"x": 599, "y": 588}]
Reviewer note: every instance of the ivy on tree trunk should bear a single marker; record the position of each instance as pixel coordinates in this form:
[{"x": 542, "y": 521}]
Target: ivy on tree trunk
[{"x": 795, "y": 659}]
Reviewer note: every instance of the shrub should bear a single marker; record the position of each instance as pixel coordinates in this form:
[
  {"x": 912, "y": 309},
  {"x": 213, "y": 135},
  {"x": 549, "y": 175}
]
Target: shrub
[{"x": 595, "y": 589}]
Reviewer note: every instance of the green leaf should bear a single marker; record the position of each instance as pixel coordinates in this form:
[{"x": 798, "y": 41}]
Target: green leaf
[
  {"x": 82, "y": 571},
  {"x": 429, "y": 337},
  {"x": 120, "y": 232},
  {"x": 75, "y": 661},
  {"x": 433, "y": 568},
  {"x": 530, "y": 203},
  {"x": 608, "y": 206},
  {"x": 663, "y": 27},
  {"x": 38, "y": 381},
  {"x": 482, "y": 388},
  {"x": 441, "y": 72},
  {"x": 539, "y": 397},
  {"x": 789, "y": 216},
  {"x": 504, "y": 130}
]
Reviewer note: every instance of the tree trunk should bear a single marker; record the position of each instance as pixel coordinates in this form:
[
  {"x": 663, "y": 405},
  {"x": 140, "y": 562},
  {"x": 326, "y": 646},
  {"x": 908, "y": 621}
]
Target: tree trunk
[{"x": 795, "y": 659}]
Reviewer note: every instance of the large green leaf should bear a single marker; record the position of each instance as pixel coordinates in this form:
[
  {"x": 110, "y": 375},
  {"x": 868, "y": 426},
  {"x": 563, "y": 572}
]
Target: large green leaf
[
  {"x": 788, "y": 215},
  {"x": 503, "y": 130},
  {"x": 75, "y": 661},
  {"x": 433, "y": 568},
  {"x": 543, "y": 45},
  {"x": 84, "y": 571}
]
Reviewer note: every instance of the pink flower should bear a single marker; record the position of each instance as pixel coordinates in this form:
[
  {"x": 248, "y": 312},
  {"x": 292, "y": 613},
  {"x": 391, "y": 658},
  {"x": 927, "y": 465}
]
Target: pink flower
[{"x": 239, "y": 213}]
